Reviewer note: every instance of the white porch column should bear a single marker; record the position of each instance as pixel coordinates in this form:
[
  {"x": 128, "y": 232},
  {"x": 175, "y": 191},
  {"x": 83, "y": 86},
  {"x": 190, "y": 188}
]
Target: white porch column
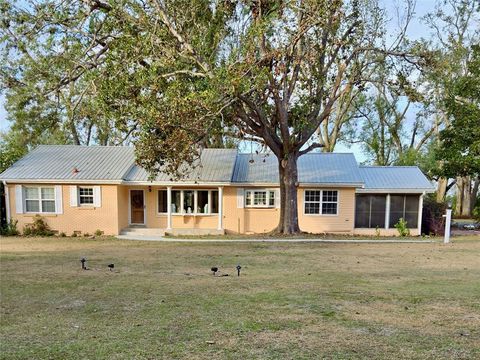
[
  {"x": 220, "y": 208},
  {"x": 387, "y": 212},
  {"x": 7, "y": 201},
  {"x": 420, "y": 210},
  {"x": 169, "y": 208}
]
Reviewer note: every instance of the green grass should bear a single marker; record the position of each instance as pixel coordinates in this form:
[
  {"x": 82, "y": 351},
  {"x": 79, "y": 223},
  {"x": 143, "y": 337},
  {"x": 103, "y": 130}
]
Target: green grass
[{"x": 292, "y": 301}]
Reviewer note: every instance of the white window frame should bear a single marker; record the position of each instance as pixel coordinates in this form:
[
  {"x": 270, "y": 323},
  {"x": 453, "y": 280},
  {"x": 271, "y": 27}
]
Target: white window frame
[
  {"x": 269, "y": 195},
  {"x": 40, "y": 208},
  {"x": 92, "y": 204},
  {"x": 321, "y": 202},
  {"x": 195, "y": 202}
]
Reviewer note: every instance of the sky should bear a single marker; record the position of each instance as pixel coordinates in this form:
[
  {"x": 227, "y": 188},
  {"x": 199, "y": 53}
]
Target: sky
[{"x": 415, "y": 31}]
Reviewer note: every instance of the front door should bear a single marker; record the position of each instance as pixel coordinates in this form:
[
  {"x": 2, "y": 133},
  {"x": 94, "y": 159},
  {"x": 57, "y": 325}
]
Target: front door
[{"x": 137, "y": 207}]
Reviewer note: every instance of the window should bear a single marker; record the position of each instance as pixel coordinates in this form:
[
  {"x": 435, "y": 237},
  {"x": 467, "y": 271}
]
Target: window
[
  {"x": 85, "y": 195},
  {"x": 162, "y": 201},
  {"x": 203, "y": 202},
  {"x": 370, "y": 211},
  {"x": 175, "y": 205},
  {"x": 39, "y": 199},
  {"x": 259, "y": 198},
  {"x": 188, "y": 205},
  {"x": 406, "y": 207},
  {"x": 321, "y": 202}
]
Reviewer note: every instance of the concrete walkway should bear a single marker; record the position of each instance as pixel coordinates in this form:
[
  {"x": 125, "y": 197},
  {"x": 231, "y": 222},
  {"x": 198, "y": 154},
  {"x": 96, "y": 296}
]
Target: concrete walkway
[{"x": 305, "y": 240}]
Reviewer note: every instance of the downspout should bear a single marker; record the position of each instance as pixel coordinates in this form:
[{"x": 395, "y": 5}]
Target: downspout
[{"x": 7, "y": 201}]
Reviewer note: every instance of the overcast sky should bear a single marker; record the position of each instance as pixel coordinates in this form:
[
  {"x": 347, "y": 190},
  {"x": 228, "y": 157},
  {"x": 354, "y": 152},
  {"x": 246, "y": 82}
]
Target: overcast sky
[{"x": 416, "y": 31}]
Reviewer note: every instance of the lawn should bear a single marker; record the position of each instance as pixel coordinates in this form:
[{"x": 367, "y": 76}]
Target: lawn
[{"x": 292, "y": 301}]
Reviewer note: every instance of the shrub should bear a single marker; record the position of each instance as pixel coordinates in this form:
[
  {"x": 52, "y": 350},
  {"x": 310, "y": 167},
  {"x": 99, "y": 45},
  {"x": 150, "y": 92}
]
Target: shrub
[
  {"x": 476, "y": 210},
  {"x": 98, "y": 232},
  {"x": 74, "y": 234},
  {"x": 39, "y": 227},
  {"x": 10, "y": 228},
  {"x": 401, "y": 227},
  {"x": 86, "y": 235},
  {"x": 62, "y": 234},
  {"x": 433, "y": 221}
]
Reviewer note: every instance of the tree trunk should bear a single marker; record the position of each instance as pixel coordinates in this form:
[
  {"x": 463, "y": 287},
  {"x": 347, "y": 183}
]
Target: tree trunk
[
  {"x": 441, "y": 189},
  {"x": 467, "y": 190},
  {"x": 473, "y": 195},
  {"x": 459, "y": 202},
  {"x": 288, "y": 171}
]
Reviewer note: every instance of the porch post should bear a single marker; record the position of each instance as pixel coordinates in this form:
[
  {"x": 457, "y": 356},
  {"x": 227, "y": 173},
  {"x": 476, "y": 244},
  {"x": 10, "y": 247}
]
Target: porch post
[
  {"x": 387, "y": 212},
  {"x": 7, "y": 201},
  {"x": 220, "y": 208},
  {"x": 169, "y": 208},
  {"x": 420, "y": 210}
]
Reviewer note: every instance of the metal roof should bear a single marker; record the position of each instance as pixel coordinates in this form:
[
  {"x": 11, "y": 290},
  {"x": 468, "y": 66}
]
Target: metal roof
[
  {"x": 214, "y": 165},
  {"x": 57, "y": 162},
  {"x": 313, "y": 168},
  {"x": 394, "y": 178}
]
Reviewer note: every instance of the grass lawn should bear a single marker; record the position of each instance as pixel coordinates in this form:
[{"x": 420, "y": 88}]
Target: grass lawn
[{"x": 292, "y": 301}]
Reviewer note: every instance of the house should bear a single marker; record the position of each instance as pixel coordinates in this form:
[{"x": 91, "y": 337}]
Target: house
[{"x": 85, "y": 188}]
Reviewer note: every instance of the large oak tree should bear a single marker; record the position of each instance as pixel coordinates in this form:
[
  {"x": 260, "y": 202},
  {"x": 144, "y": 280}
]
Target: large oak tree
[{"x": 185, "y": 72}]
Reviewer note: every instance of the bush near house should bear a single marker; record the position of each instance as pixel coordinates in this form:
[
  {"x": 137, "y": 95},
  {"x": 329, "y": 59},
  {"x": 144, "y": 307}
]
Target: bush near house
[
  {"x": 39, "y": 227},
  {"x": 433, "y": 221}
]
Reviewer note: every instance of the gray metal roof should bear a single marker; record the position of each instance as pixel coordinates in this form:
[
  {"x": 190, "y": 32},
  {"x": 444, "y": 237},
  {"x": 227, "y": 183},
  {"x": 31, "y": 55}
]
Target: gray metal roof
[
  {"x": 313, "y": 168},
  {"x": 57, "y": 162},
  {"x": 394, "y": 178},
  {"x": 214, "y": 165},
  {"x": 117, "y": 164}
]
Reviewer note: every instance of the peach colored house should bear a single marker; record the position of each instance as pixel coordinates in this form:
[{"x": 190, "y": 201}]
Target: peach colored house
[{"x": 83, "y": 189}]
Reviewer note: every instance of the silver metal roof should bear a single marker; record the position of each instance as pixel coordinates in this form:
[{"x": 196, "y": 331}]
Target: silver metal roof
[
  {"x": 313, "y": 168},
  {"x": 57, "y": 162},
  {"x": 394, "y": 178},
  {"x": 214, "y": 165}
]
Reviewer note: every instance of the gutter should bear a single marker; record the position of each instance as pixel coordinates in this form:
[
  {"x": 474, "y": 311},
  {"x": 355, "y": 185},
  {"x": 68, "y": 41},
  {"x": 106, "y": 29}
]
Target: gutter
[{"x": 396, "y": 191}]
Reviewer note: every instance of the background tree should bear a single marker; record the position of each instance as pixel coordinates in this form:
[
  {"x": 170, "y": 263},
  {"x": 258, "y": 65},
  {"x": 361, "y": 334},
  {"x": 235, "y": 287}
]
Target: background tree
[{"x": 459, "y": 150}]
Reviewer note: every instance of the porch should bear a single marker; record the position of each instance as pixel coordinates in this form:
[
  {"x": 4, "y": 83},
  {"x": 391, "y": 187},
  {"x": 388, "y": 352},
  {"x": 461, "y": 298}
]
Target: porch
[{"x": 176, "y": 210}]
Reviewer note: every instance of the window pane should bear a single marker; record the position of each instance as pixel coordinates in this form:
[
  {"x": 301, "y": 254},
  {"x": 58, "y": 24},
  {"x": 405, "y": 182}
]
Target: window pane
[
  {"x": 162, "y": 201},
  {"x": 312, "y": 195},
  {"x": 329, "y": 208},
  {"x": 271, "y": 198},
  {"x": 86, "y": 200},
  {"x": 377, "y": 211},
  {"x": 411, "y": 210},
  {"x": 32, "y": 205},
  {"x": 48, "y": 194},
  {"x": 202, "y": 202},
  {"x": 330, "y": 195},
  {"x": 175, "y": 201},
  {"x": 48, "y": 206},
  {"x": 248, "y": 198},
  {"x": 396, "y": 209},
  {"x": 260, "y": 198},
  {"x": 31, "y": 193},
  {"x": 188, "y": 198},
  {"x": 85, "y": 191},
  {"x": 362, "y": 211},
  {"x": 214, "y": 209},
  {"x": 312, "y": 208}
]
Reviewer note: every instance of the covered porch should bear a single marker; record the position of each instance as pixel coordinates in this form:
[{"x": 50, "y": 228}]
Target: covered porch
[{"x": 176, "y": 210}]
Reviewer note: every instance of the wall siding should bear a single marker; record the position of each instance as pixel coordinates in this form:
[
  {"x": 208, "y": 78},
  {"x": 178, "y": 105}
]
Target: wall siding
[{"x": 83, "y": 219}]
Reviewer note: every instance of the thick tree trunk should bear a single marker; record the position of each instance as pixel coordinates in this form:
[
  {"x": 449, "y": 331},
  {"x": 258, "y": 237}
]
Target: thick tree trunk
[
  {"x": 441, "y": 189},
  {"x": 288, "y": 223},
  {"x": 467, "y": 190},
  {"x": 459, "y": 197}
]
